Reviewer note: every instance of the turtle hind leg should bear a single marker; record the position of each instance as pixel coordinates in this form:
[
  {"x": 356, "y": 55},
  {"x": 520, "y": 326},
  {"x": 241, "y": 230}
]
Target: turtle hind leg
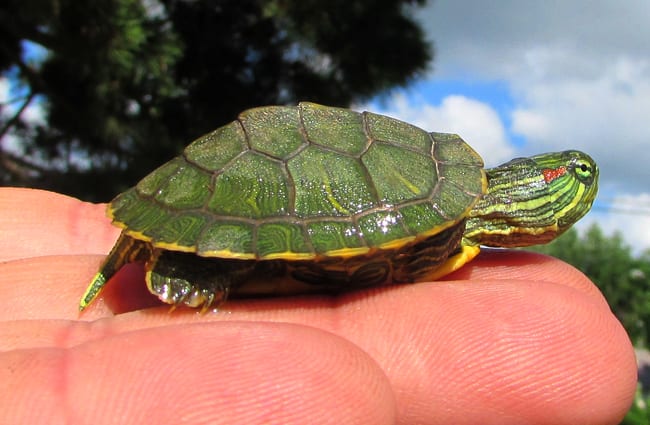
[
  {"x": 126, "y": 250},
  {"x": 187, "y": 279}
]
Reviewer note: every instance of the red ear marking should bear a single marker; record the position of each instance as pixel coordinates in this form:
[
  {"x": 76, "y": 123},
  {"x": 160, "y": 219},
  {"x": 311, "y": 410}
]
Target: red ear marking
[{"x": 551, "y": 174}]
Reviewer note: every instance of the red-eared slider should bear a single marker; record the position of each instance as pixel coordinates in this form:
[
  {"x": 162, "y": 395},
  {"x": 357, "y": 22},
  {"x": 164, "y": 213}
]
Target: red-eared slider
[{"x": 289, "y": 200}]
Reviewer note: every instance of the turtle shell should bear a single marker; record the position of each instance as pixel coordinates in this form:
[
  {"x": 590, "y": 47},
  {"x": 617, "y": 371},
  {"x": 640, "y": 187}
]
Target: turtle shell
[{"x": 304, "y": 182}]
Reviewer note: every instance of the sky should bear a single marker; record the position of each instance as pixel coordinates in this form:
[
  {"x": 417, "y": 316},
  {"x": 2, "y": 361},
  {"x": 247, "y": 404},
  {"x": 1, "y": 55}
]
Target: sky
[{"x": 515, "y": 78}]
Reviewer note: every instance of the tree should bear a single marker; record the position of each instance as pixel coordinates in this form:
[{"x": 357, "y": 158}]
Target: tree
[{"x": 125, "y": 84}]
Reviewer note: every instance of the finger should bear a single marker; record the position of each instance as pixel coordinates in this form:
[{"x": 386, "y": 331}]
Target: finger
[
  {"x": 50, "y": 287},
  {"x": 215, "y": 373},
  {"x": 524, "y": 348},
  {"x": 497, "y": 352},
  {"x": 37, "y": 222},
  {"x": 498, "y": 264}
]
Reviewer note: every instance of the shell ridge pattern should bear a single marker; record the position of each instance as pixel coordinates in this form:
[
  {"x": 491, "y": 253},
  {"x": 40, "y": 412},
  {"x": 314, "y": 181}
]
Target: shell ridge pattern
[
  {"x": 247, "y": 138},
  {"x": 348, "y": 218},
  {"x": 289, "y": 217},
  {"x": 254, "y": 239},
  {"x": 297, "y": 221},
  {"x": 307, "y": 237},
  {"x": 437, "y": 185},
  {"x": 157, "y": 241},
  {"x": 368, "y": 176},
  {"x": 355, "y": 211},
  {"x": 439, "y": 210},
  {"x": 202, "y": 235},
  {"x": 228, "y": 164},
  {"x": 292, "y": 190},
  {"x": 164, "y": 218},
  {"x": 462, "y": 189},
  {"x": 305, "y": 136},
  {"x": 367, "y": 132},
  {"x": 463, "y": 163},
  {"x": 399, "y": 219}
]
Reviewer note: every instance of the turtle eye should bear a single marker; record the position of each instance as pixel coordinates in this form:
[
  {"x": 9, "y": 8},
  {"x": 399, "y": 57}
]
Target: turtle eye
[{"x": 584, "y": 170}]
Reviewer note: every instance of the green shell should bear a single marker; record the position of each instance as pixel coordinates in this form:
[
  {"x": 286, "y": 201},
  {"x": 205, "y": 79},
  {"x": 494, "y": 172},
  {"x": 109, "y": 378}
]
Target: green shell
[{"x": 304, "y": 182}]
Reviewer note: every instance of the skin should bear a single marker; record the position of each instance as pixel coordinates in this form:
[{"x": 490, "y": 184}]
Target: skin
[{"x": 511, "y": 338}]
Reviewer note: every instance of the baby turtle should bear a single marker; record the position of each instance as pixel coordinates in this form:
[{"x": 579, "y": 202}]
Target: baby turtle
[{"x": 310, "y": 198}]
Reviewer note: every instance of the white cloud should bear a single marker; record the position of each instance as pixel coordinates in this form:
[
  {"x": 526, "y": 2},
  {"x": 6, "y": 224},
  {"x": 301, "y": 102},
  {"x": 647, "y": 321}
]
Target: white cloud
[
  {"x": 506, "y": 38},
  {"x": 618, "y": 95},
  {"x": 476, "y": 122},
  {"x": 579, "y": 76}
]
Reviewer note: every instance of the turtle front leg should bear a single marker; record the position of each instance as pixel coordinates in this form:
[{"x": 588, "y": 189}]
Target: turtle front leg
[{"x": 187, "y": 279}]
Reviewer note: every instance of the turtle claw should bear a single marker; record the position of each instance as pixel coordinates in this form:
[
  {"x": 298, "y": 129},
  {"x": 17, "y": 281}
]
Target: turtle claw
[
  {"x": 218, "y": 298},
  {"x": 195, "y": 297}
]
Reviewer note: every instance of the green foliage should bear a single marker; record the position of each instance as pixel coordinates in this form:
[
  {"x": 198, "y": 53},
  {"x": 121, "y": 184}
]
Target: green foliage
[
  {"x": 623, "y": 278},
  {"x": 639, "y": 413},
  {"x": 125, "y": 84}
]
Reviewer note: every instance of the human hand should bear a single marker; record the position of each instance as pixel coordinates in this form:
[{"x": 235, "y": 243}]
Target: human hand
[{"x": 511, "y": 338}]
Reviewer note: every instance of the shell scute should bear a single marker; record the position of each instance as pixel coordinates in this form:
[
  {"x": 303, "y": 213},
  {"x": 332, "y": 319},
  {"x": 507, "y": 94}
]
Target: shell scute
[
  {"x": 216, "y": 149},
  {"x": 187, "y": 188},
  {"x": 451, "y": 148},
  {"x": 330, "y": 184},
  {"x": 227, "y": 238},
  {"x": 254, "y": 186},
  {"x": 326, "y": 234},
  {"x": 281, "y": 240},
  {"x": 274, "y": 131},
  {"x": 422, "y": 218},
  {"x": 180, "y": 231},
  {"x": 336, "y": 128},
  {"x": 399, "y": 174},
  {"x": 391, "y": 130},
  {"x": 383, "y": 228}
]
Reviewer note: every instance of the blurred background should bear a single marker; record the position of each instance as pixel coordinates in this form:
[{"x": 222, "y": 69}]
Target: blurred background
[{"x": 95, "y": 95}]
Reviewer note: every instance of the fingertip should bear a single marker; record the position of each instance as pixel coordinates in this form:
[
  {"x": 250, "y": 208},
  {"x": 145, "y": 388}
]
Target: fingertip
[
  {"x": 522, "y": 352},
  {"x": 235, "y": 372}
]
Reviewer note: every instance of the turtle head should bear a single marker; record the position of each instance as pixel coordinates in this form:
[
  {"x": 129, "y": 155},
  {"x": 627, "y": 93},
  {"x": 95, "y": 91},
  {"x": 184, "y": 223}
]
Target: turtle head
[{"x": 533, "y": 200}]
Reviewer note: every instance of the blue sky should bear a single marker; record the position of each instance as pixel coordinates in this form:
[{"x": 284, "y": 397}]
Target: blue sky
[{"x": 515, "y": 78}]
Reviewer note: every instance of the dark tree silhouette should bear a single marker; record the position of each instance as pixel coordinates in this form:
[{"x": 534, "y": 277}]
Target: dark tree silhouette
[{"x": 125, "y": 84}]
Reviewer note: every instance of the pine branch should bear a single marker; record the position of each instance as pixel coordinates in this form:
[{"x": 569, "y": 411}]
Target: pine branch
[{"x": 14, "y": 120}]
